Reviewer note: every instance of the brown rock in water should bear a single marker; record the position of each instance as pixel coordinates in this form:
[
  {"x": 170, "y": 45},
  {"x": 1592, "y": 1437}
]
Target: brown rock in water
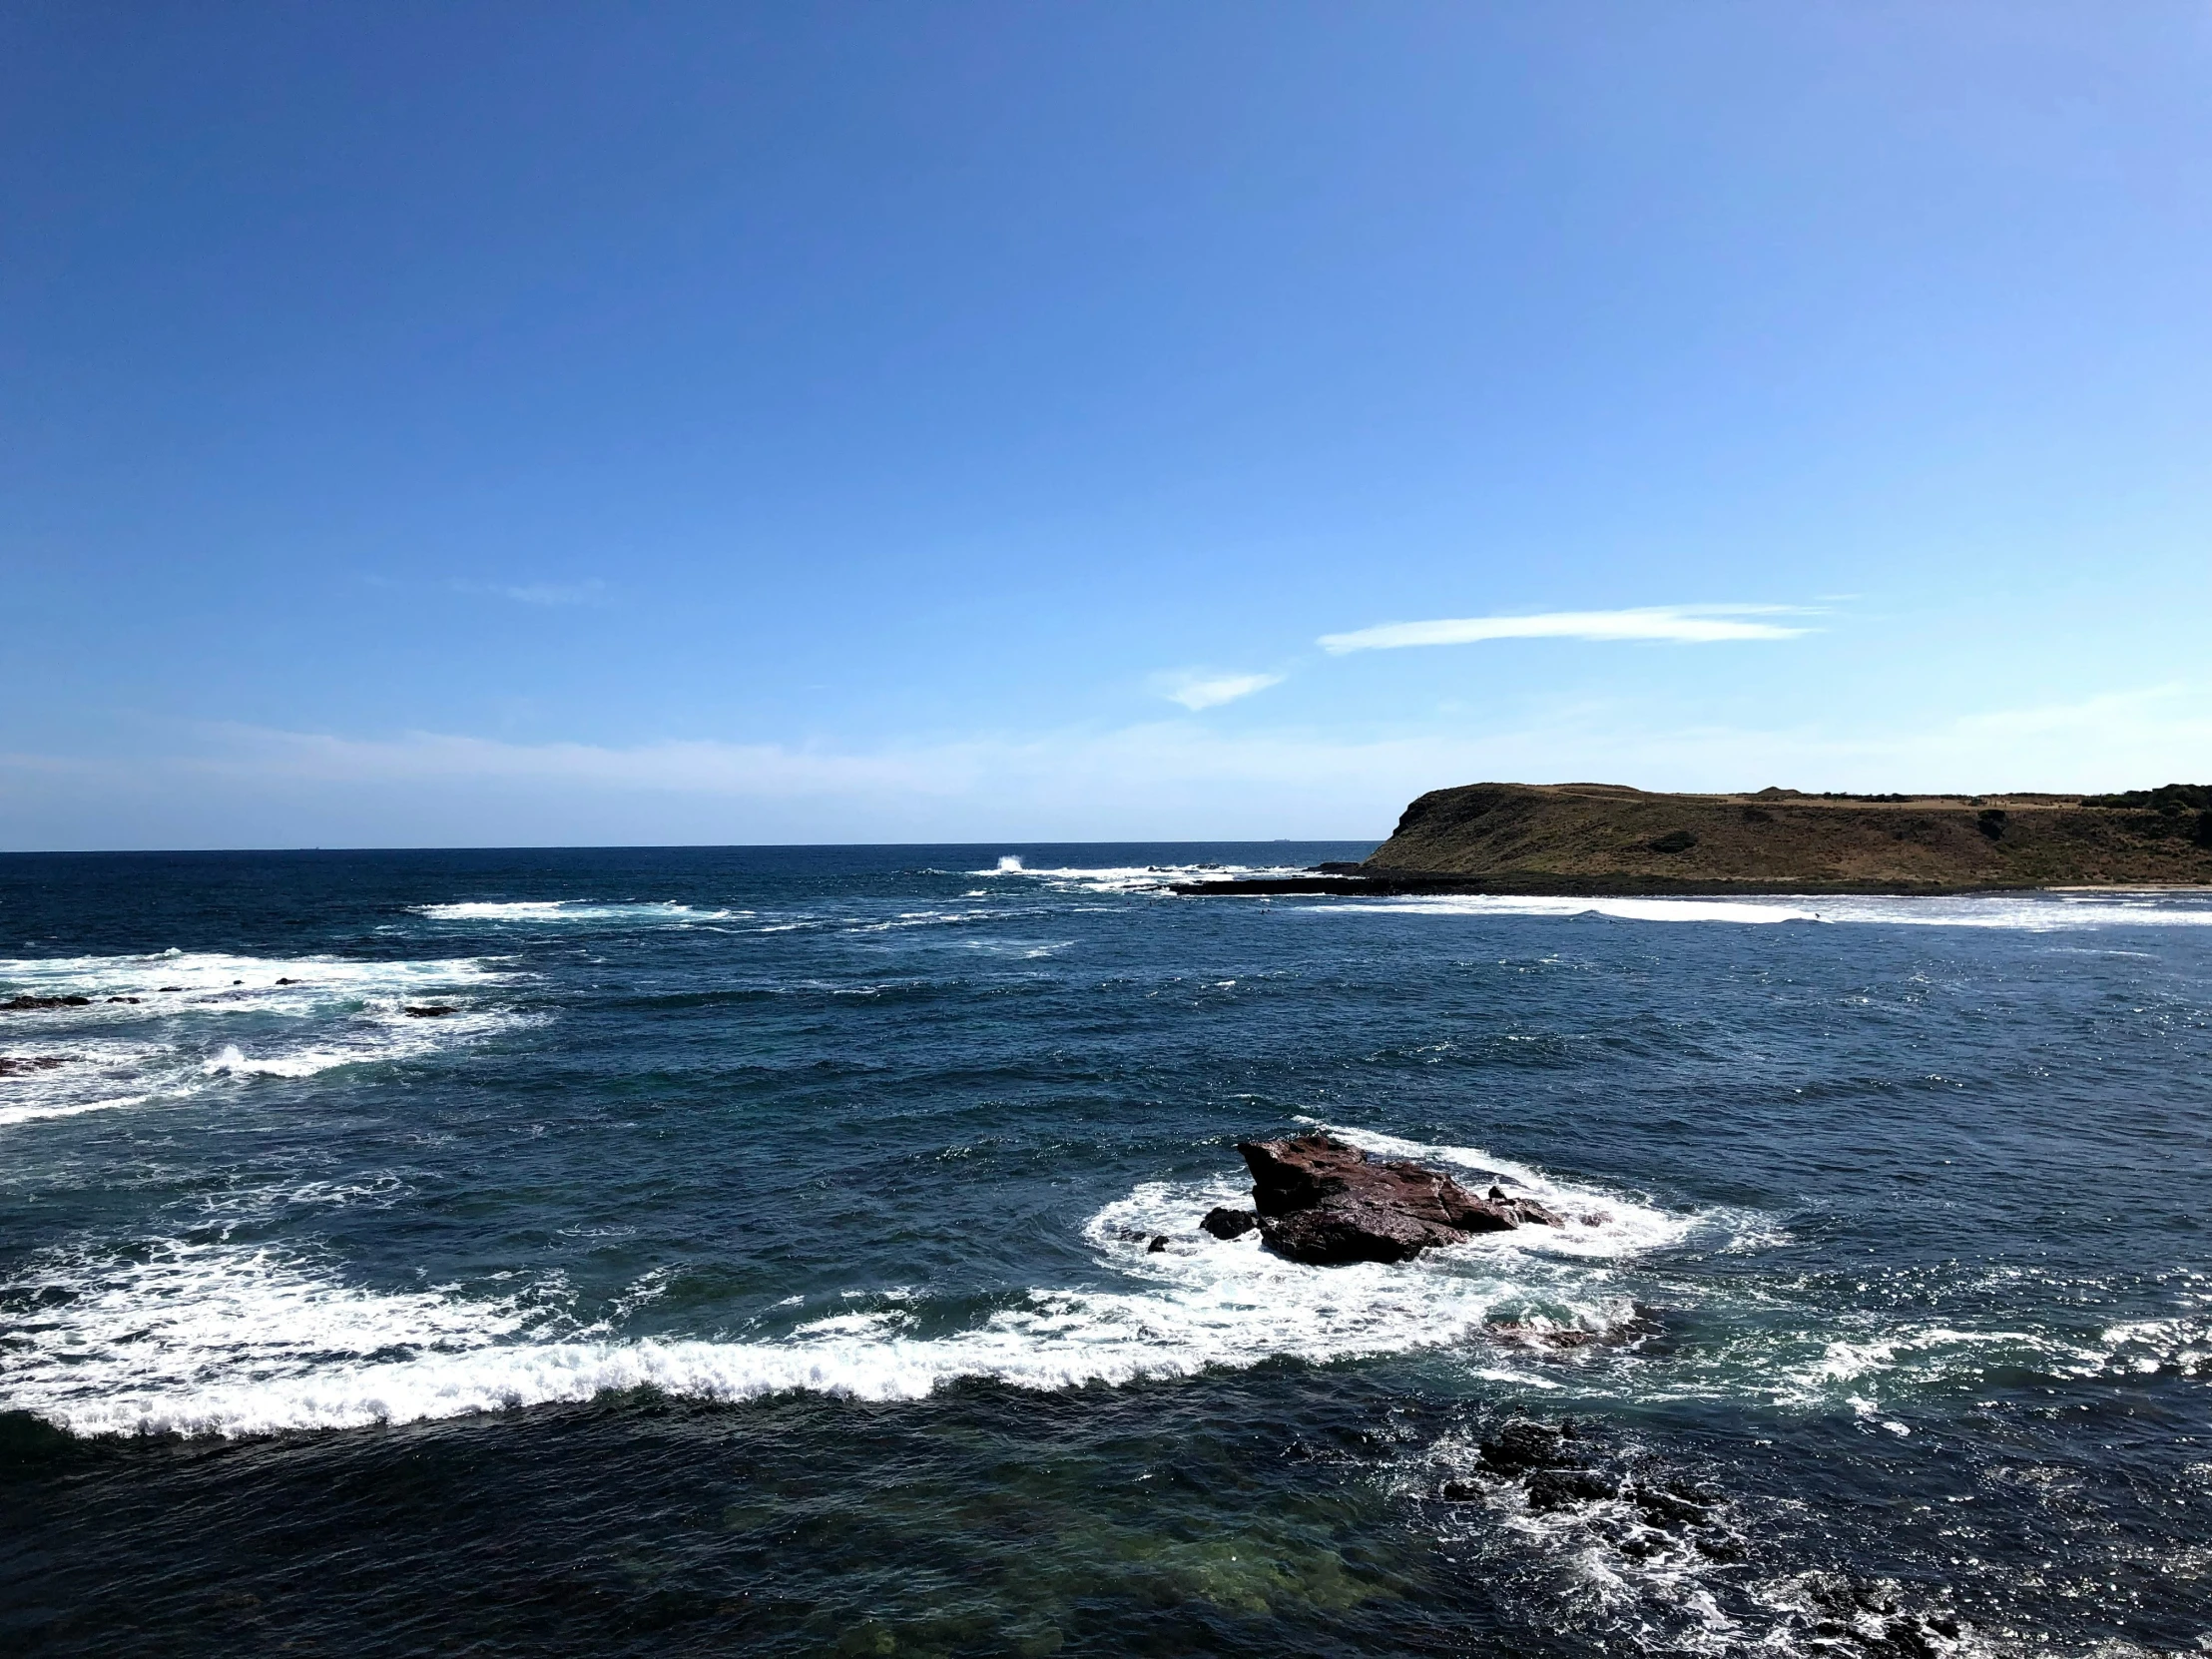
[
  {"x": 1331, "y": 1234},
  {"x": 1325, "y": 1202},
  {"x": 1229, "y": 1223}
]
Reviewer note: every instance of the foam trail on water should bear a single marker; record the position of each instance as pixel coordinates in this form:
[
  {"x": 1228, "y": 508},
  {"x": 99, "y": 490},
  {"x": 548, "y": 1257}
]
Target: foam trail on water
[
  {"x": 571, "y": 910},
  {"x": 222, "y": 1340},
  {"x": 168, "y": 980},
  {"x": 169, "y": 1024},
  {"x": 32, "y": 1111}
]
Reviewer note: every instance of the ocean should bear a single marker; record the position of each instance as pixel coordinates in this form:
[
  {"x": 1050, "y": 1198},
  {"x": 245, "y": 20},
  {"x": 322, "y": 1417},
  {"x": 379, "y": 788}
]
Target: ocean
[{"x": 757, "y": 1256}]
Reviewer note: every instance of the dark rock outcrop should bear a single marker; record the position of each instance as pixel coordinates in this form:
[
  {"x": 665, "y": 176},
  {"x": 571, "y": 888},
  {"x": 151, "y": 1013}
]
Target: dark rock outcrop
[
  {"x": 1224, "y": 1223},
  {"x": 28, "y": 1005},
  {"x": 1324, "y": 1202},
  {"x": 429, "y": 1012}
]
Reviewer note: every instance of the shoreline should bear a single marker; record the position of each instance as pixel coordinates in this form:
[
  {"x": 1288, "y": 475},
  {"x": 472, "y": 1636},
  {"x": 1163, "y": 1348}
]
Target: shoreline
[{"x": 1634, "y": 886}]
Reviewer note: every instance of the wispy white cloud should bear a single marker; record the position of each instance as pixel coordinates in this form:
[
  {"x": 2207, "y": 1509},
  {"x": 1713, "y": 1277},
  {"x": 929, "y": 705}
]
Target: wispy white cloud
[
  {"x": 1684, "y": 624},
  {"x": 1198, "y": 689},
  {"x": 539, "y": 593}
]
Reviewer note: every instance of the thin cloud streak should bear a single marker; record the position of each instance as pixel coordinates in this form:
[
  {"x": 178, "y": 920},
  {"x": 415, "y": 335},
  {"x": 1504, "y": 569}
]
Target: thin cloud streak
[
  {"x": 539, "y": 593},
  {"x": 1681, "y": 624},
  {"x": 1208, "y": 690}
]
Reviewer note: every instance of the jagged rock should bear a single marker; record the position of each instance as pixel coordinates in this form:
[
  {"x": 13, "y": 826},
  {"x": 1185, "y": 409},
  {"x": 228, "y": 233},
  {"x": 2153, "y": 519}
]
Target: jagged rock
[
  {"x": 429, "y": 1013},
  {"x": 1324, "y": 1202},
  {"x": 1159, "y": 1244},
  {"x": 1528, "y": 1209},
  {"x": 1224, "y": 1223},
  {"x": 27, "y": 1005}
]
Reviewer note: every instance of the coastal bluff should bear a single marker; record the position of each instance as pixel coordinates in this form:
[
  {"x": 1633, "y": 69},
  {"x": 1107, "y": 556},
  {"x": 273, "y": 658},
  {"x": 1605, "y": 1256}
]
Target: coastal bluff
[{"x": 1609, "y": 839}]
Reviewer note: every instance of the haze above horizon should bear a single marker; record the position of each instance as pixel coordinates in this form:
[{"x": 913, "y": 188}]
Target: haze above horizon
[{"x": 734, "y": 423}]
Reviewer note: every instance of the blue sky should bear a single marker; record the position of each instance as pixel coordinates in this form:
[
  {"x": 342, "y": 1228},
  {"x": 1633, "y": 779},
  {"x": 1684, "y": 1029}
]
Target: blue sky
[{"x": 666, "y": 423}]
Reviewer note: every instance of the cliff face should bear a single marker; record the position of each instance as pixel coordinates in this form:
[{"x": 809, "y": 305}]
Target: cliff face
[{"x": 1610, "y": 833}]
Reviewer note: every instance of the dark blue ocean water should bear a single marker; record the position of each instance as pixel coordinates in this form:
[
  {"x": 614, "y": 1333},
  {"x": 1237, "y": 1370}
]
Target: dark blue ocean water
[{"x": 755, "y": 1259}]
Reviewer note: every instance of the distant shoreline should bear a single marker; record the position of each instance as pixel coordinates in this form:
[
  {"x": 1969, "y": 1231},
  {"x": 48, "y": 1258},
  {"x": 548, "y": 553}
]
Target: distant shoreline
[
  {"x": 1607, "y": 840},
  {"x": 1403, "y": 886}
]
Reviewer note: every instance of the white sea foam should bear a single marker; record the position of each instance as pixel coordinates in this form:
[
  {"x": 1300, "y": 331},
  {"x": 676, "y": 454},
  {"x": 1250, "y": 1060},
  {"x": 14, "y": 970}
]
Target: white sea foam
[
  {"x": 191, "y": 1020},
  {"x": 30, "y": 1111},
  {"x": 2030, "y": 912},
  {"x": 167, "y": 980},
  {"x": 223, "y": 1340},
  {"x": 1629, "y": 1227},
  {"x": 1111, "y": 878},
  {"x": 1860, "y": 1372},
  {"x": 573, "y": 910},
  {"x": 360, "y": 1043}
]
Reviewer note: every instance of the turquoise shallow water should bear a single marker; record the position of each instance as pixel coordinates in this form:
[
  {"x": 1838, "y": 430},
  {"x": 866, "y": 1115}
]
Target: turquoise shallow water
[{"x": 755, "y": 1259}]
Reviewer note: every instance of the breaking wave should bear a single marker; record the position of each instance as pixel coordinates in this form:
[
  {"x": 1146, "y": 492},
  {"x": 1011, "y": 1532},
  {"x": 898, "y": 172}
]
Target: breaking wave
[
  {"x": 200, "y": 1338},
  {"x": 572, "y": 910},
  {"x": 166, "y": 1025}
]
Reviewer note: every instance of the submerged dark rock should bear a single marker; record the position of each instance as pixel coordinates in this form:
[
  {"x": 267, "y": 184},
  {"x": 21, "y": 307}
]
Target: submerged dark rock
[
  {"x": 23, "y": 1066},
  {"x": 28, "y": 1005},
  {"x": 429, "y": 1012},
  {"x": 1523, "y": 1445},
  {"x": 1641, "y": 1326},
  {"x": 1325, "y": 1202},
  {"x": 1224, "y": 1223},
  {"x": 1544, "y": 1336},
  {"x": 1550, "y": 1489}
]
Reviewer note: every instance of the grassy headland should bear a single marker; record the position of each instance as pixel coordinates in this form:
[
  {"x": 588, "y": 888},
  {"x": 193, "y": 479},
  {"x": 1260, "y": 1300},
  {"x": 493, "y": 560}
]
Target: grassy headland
[{"x": 1553, "y": 836}]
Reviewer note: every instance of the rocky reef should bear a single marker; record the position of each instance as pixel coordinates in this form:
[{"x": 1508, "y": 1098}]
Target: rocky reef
[{"x": 1323, "y": 1201}]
